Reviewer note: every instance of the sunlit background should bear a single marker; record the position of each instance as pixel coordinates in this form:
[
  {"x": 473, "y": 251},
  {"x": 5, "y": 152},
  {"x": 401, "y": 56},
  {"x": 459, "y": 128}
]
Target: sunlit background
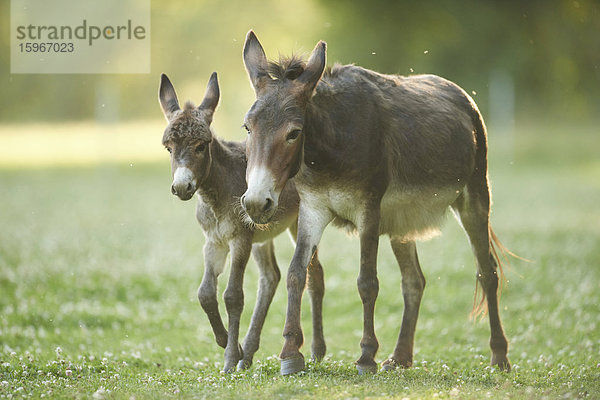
[
  {"x": 100, "y": 260},
  {"x": 534, "y": 63}
]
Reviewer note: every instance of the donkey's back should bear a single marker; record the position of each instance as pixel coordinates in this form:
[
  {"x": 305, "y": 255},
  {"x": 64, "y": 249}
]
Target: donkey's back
[
  {"x": 425, "y": 135},
  {"x": 423, "y": 124}
]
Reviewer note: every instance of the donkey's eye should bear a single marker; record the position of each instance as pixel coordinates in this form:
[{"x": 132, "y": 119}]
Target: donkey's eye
[
  {"x": 293, "y": 135},
  {"x": 168, "y": 149},
  {"x": 246, "y": 128},
  {"x": 200, "y": 148}
]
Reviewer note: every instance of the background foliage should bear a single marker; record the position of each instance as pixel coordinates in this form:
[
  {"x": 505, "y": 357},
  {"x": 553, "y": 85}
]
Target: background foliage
[{"x": 550, "y": 49}]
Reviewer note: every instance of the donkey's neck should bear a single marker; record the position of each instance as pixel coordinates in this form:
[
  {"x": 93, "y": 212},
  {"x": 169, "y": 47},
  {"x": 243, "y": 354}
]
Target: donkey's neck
[
  {"x": 344, "y": 134},
  {"x": 226, "y": 177},
  {"x": 321, "y": 144}
]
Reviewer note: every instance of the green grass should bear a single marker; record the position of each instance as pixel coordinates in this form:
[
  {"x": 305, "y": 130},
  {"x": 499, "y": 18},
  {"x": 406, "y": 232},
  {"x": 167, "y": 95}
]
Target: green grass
[{"x": 99, "y": 268}]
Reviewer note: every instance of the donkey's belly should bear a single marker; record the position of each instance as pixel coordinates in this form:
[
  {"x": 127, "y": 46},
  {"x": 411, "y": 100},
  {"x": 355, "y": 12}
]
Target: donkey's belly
[{"x": 415, "y": 214}]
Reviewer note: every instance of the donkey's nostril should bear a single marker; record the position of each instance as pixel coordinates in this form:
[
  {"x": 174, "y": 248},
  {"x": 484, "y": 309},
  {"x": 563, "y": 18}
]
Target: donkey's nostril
[
  {"x": 243, "y": 201},
  {"x": 189, "y": 187},
  {"x": 268, "y": 205},
  {"x": 173, "y": 190}
]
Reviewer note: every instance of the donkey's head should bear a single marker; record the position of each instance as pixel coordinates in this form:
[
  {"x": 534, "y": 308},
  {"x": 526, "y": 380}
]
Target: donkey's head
[
  {"x": 188, "y": 136},
  {"x": 275, "y": 123}
]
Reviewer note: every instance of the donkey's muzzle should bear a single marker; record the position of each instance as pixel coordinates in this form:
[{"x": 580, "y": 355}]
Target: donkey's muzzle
[
  {"x": 184, "y": 192},
  {"x": 259, "y": 209},
  {"x": 260, "y": 199},
  {"x": 184, "y": 184}
]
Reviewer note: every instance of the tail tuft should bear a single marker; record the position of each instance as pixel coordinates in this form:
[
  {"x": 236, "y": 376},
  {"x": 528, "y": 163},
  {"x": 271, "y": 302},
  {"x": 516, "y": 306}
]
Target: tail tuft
[{"x": 500, "y": 254}]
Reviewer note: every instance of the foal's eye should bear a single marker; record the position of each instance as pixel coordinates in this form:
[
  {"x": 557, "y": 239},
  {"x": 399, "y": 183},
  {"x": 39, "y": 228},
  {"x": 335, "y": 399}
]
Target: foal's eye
[
  {"x": 168, "y": 149},
  {"x": 246, "y": 128},
  {"x": 293, "y": 135},
  {"x": 200, "y": 148}
]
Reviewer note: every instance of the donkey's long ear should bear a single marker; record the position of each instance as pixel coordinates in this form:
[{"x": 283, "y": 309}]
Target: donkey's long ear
[
  {"x": 167, "y": 97},
  {"x": 314, "y": 67},
  {"x": 211, "y": 97},
  {"x": 255, "y": 61}
]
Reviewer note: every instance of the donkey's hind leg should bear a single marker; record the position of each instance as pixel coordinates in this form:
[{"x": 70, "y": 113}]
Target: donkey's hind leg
[
  {"x": 413, "y": 284},
  {"x": 269, "y": 277},
  {"x": 473, "y": 209}
]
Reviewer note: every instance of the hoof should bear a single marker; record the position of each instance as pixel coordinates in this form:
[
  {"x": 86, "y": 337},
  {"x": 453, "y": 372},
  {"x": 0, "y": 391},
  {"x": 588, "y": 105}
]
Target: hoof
[
  {"x": 502, "y": 365},
  {"x": 366, "y": 369},
  {"x": 318, "y": 352},
  {"x": 243, "y": 365},
  {"x": 389, "y": 365},
  {"x": 228, "y": 369},
  {"x": 232, "y": 360},
  {"x": 501, "y": 362},
  {"x": 292, "y": 365}
]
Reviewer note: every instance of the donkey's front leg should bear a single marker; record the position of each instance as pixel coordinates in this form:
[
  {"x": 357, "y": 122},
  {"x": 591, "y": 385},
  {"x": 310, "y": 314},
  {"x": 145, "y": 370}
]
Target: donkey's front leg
[
  {"x": 316, "y": 290},
  {"x": 214, "y": 261},
  {"x": 311, "y": 224},
  {"x": 234, "y": 299},
  {"x": 368, "y": 287},
  {"x": 269, "y": 277}
]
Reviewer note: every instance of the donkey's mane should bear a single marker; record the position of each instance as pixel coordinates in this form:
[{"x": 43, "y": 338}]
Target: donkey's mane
[
  {"x": 292, "y": 67},
  {"x": 189, "y": 106},
  {"x": 287, "y": 67}
]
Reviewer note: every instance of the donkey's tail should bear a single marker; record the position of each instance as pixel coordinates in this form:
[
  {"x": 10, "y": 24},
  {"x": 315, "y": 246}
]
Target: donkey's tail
[{"x": 501, "y": 255}]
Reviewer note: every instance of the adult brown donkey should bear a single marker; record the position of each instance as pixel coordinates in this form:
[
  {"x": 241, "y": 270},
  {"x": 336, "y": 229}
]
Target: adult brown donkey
[
  {"x": 214, "y": 169},
  {"x": 379, "y": 154}
]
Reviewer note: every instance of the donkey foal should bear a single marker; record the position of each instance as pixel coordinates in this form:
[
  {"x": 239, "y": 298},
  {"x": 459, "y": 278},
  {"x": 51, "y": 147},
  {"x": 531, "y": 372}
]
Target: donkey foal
[{"x": 215, "y": 170}]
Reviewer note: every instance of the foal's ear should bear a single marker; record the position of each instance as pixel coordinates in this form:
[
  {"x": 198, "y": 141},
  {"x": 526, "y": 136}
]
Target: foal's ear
[
  {"x": 314, "y": 67},
  {"x": 256, "y": 63},
  {"x": 211, "y": 97},
  {"x": 167, "y": 97}
]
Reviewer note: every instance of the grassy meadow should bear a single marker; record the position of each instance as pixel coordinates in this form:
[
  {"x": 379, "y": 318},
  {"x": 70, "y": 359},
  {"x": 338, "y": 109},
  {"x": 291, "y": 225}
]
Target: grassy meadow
[{"x": 100, "y": 264}]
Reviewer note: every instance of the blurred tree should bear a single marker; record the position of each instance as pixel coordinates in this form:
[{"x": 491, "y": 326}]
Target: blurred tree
[{"x": 550, "y": 49}]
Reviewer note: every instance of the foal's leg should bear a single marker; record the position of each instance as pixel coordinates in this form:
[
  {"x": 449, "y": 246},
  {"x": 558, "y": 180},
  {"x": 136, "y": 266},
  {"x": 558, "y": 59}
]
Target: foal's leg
[
  {"x": 311, "y": 224},
  {"x": 316, "y": 291},
  {"x": 234, "y": 298},
  {"x": 267, "y": 284},
  {"x": 413, "y": 283},
  {"x": 368, "y": 287},
  {"x": 473, "y": 208},
  {"x": 214, "y": 261}
]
